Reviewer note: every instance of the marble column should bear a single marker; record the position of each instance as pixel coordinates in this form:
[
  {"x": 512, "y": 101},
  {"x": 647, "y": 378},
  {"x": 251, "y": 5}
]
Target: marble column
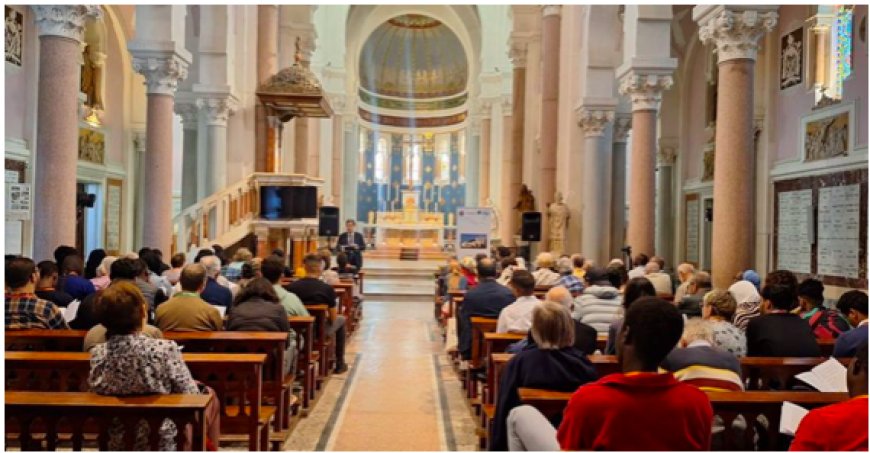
[
  {"x": 267, "y": 65},
  {"x": 485, "y": 139},
  {"x": 550, "y": 35},
  {"x": 507, "y": 227},
  {"x": 735, "y": 33},
  {"x": 300, "y": 145},
  {"x": 665, "y": 231},
  {"x": 216, "y": 111},
  {"x": 645, "y": 91},
  {"x": 621, "y": 128},
  {"x": 189, "y": 113},
  {"x": 162, "y": 71},
  {"x": 60, "y": 29},
  {"x": 337, "y": 125},
  {"x": 595, "y": 211},
  {"x": 514, "y": 172}
]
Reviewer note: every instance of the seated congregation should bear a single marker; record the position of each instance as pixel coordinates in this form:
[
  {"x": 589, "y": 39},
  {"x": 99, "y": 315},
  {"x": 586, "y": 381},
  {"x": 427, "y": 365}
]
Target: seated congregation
[
  {"x": 573, "y": 356},
  {"x": 254, "y": 337}
]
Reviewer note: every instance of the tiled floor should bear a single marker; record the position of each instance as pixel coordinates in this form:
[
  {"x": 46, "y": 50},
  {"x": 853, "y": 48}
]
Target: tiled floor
[{"x": 400, "y": 393}]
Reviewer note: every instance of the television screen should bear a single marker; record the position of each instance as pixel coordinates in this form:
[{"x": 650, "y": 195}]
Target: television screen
[{"x": 288, "y": 202}]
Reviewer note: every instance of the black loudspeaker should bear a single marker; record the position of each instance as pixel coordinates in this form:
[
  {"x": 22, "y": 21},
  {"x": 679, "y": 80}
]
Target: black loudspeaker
[
  {"x": 327, "y": 218},
  {"x": 531, "y": 230}
]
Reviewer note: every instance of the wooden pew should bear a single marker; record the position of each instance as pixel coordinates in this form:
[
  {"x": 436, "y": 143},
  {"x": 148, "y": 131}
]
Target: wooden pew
[
  {"x": 305, "y": 363},
  {"x": 236, "y": 379},
  {"x": 541, "y": 291},
  {"x": 827, "y": 347},
  {"x": 345, "y": 304},
  {"x": 727, "y": 405},
  {"x": 479, "y": 326},
  {"x": 276, "y": 386},
  {"x": 324, "y": 346},
  {"x": 24, "y": 408},
  {"x": 777, "y": 373},
  {"x": 45, "y": 340}
]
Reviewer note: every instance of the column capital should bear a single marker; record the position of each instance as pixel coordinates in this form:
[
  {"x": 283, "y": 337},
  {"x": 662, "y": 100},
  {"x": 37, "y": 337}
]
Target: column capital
[
  {"x": 666, "y": 155},
  {"x": 734, "y": 30},
  {"x": 474, "y": 126},
  {"x": 65, "y": 21},
  {"x": 217, "y": 109},
  {"x": 645, "y": 89},
  {"x": 189, "y": 113},
  {"x": 162, "y": 70},
  {"x": 551, "y": 10},
  {"x": 519, "y": 48},
  {"x": 621, "y": 127},
  {"x": 594, "y": 120}
]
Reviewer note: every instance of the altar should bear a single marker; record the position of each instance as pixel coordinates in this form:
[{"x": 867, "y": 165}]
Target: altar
[{"x": 410, "y": 227}]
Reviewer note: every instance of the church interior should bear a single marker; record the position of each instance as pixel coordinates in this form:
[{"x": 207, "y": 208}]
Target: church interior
[{"x": 425, "y": 193}]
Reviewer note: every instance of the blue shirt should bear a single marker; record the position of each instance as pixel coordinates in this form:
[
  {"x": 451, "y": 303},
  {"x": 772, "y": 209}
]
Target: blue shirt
[
  {"x": 487, "y": 299},
  {"x": 78, "y": 287},
  {"x": 216, "y": 294},
  {"x": 848, "y": 342}
]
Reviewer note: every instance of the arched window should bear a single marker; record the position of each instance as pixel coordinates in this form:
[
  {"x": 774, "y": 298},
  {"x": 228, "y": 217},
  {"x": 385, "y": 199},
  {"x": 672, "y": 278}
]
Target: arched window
[
  {"x": 362, "y": 154},
  {"x": 442, "y": 159},
  {"x": 412, "y": 163},
  {"x": 842, "y": 50},
  {"x": 381, "y": 164},
  {"x": 461, "y": 163}
]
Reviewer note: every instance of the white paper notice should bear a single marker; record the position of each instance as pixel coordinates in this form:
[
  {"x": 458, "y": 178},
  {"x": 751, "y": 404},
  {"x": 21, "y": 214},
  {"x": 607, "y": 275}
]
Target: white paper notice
[
  {"x": 13, "y": 237},
  {"x": 838, "y": 231},
  {"x": 793, "y": 231},
  {"x": 693, "y": 213},
  {"x": 792, "y": 414},
  {"x": 113, "y": 218}
]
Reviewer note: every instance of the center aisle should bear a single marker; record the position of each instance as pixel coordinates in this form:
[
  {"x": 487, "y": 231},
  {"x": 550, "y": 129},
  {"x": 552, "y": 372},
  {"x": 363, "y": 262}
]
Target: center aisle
[{"x": 400, "y": 392}]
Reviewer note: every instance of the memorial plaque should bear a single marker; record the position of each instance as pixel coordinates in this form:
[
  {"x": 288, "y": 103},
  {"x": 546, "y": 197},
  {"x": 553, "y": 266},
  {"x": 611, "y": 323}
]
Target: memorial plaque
[
  {"x": 839, "y": 227},
  {"x": 795, "y": 231}
]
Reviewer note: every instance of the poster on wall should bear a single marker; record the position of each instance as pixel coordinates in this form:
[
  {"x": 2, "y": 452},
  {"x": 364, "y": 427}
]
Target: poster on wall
[
  {"x": 791, "y": 59},
  {"x": 473, "y": 226},
  {"x": 14, "y": 36},
  {"x": 113, "y": 216},
  {"x": 794, "y": 231},
  {"x": 693, "y": 229},
  {"x": 18, "y": 201},
  {"x": 838, "y": 230}
]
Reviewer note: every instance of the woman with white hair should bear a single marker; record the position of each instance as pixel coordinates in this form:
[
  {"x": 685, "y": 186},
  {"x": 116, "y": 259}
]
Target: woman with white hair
[
  {"x": 545, "y": 273},
  {"x": 748, "y": 303},
  {"x": 550, "y": 361},
  {"x": 101, "y": 281}
]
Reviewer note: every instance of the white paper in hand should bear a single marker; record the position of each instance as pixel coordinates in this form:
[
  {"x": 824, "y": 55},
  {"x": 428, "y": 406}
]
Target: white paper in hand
[
  {"x": 792, "y": 414},
  {"x": 221, "y": 309},
  {"x": 69, "y": 313},
  {"x": 828, "y": 376}
]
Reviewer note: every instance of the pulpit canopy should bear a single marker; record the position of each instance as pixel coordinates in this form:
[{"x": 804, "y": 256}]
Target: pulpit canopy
[{"x": 294, "y": 91}]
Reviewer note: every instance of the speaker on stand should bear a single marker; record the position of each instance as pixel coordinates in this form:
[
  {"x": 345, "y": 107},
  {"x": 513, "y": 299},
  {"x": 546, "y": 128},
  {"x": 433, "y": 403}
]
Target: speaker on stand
[
  {"x": 530, "y": 231},
  {"x": 327, "y": 223}
]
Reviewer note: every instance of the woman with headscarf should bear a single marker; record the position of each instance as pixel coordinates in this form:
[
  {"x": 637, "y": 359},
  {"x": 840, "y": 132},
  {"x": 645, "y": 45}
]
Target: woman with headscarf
[
  {"x": 102, "y": 280},
  {"x": 95, "y": 258},
  {"x": 748, "y": 303}
]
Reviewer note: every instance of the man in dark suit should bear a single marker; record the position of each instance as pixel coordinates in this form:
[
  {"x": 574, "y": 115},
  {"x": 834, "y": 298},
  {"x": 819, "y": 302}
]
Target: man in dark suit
[
  {"x": 352, "y": 243},
  {"x": 487, "y": 299}
]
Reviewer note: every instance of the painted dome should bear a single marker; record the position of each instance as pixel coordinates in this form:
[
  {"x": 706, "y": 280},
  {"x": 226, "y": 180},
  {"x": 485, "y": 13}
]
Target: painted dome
[{"x": 413, "y": 56}]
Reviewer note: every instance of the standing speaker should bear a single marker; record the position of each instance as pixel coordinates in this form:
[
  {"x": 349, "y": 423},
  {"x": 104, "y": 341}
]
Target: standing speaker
[
  {"x": 327, "y": 218},
  {"x": 531, "y": 230}
]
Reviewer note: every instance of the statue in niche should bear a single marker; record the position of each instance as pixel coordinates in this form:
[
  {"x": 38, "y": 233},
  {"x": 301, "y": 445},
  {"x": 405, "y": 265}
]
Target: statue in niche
[
  {"x": 709, "y": 165},
  {"x": 92, "y": 146},
  {"x": 525, "y": 203},
  {"x": 791, "y": 63},
  {"x": 559, "y": 215},
  {"x": 88, "y": 78},
  {"x": 496, "y": 217},
  {"x": 14, "y": 35}
]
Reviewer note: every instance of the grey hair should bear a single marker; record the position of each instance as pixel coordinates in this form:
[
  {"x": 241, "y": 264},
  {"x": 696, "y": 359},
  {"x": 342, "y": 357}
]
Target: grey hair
[
  {"x": 552, "y": 326},
  {"x": 212, "y": 265},
  {"x": 561, "y": 296},
  {"x": 564, "y": 265}
]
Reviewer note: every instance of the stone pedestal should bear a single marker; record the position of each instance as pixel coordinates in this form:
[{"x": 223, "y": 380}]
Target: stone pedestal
[
  {"x": 60, "y": 30},
  {"x": 735, "y": 32},
  {"x": 595, "y": 211}
]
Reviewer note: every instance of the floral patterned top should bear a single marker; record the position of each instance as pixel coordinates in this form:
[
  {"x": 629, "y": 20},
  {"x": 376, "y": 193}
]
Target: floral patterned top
[
  {"x": 134, "y": 365},
  {"x": 728, "y": 337}
]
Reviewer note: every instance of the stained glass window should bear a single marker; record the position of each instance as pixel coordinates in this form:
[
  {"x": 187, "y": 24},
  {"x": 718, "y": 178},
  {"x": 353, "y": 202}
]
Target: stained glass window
[
  {"x": 412, "y": 164},
  {"x": 362, "y": 155},
  {"x": 842, "y": 47},
  {"x": 381, "y": 161},
  {"x": 442, "y": 159}
]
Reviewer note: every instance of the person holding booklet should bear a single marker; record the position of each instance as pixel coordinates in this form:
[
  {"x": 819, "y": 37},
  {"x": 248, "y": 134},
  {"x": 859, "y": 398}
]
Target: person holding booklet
[{"x": 841, "y": 426}]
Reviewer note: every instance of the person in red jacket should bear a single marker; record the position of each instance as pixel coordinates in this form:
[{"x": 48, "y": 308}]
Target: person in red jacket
[
  {"x": 841, "y": 426},
  {"x": 640, "y": 409}
]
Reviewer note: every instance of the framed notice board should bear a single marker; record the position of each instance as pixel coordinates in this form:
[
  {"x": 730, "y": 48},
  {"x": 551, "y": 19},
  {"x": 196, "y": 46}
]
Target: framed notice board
[
  {"x": 114, "y": 203},
  {"x": 820, "y": 227}
]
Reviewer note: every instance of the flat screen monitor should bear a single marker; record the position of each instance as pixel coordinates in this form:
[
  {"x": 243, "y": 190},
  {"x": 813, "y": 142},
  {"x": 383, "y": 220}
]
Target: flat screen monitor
[{"x": 288, "y": 202}]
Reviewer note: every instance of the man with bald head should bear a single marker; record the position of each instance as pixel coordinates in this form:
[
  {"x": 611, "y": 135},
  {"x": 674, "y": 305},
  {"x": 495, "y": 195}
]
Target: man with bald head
[
  {"x": 487, "y": 299},
  {"x": 660, "y": 280}
]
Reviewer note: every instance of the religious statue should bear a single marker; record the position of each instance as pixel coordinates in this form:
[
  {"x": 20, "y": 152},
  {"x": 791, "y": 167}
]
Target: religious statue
[
  {"x": 525, "y": 203},
  {"x": 558, "y": 218},
  {"x": 496, "y": 218},
  {"x": 14, "y": 36},
  {"x": 791, "y": 62}
]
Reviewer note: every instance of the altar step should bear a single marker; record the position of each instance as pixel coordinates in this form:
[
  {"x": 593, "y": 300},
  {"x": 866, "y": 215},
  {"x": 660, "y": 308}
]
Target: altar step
[
  {"x": 395, "y": 253},
  {"x": 409, "y": 254},
  {"x": 393, "y": 280}
]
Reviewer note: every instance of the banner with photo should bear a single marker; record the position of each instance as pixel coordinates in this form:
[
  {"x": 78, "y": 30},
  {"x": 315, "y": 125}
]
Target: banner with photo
[{"x": 473, "y": 226}]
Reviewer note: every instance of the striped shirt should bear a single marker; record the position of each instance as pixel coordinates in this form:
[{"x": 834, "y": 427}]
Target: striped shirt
[{"x": 26, "y": 311}]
